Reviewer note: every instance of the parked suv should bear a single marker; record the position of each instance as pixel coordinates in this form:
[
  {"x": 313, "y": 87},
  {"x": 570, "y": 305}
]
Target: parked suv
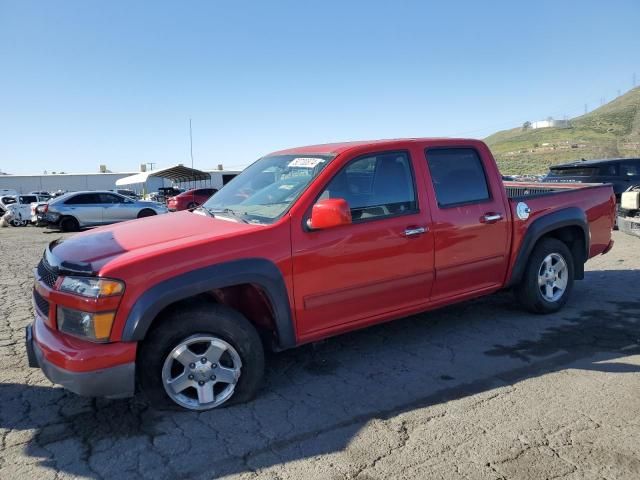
[
  {"x": 190, "y": 199},
  {"x": 73, "y": 211},
  {"x": 619, "y": 172}
]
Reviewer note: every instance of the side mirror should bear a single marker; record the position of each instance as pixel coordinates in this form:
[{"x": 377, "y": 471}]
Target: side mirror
[{"x": 328, "y": 213}]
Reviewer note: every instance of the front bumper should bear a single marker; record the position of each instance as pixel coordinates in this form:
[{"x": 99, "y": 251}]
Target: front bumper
[
  {"x": 629, "y": 225},
  {"x": 112, "y": 382}
]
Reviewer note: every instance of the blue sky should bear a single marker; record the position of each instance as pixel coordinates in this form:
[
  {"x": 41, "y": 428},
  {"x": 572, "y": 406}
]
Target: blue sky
[{"x": 86, "y": 83}]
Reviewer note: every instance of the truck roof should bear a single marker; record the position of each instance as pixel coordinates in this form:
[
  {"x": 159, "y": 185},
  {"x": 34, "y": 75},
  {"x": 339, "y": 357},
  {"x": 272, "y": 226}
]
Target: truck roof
[{"x": 341, "y": 147}]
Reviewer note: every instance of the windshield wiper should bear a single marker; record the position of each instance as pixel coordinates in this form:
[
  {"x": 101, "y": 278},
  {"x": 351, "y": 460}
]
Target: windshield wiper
[
  {"x": 206, "y": 210},
  {"x": 229, "y": 212}
]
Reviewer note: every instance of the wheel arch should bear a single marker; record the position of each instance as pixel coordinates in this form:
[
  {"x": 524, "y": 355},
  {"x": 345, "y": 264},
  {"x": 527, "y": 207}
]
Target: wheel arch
[
  {"x": 568, "y": 225},
  {"x": 66, "y": 216},
  {"x": 228, "y": 283},
  {"x": 146, "y": 209}
]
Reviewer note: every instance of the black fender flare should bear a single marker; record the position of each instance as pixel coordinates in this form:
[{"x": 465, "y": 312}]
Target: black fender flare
[
  {"x": 259, "y": 271},
  {"x": 566, "y": 217}
]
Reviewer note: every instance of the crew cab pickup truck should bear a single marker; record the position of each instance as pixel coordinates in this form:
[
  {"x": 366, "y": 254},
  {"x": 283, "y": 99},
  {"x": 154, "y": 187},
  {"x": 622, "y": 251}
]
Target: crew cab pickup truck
[{"x": 304, "y": 244}]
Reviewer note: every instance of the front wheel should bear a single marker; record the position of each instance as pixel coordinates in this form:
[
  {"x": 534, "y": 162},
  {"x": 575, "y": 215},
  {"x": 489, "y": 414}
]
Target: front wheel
[
  {"x": 548, "y": 278},
  {"x": 200, "y": 358}
]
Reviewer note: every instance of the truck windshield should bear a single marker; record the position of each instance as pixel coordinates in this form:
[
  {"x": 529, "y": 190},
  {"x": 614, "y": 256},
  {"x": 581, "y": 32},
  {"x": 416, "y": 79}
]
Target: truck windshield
[{"x": 265, "y": 190}]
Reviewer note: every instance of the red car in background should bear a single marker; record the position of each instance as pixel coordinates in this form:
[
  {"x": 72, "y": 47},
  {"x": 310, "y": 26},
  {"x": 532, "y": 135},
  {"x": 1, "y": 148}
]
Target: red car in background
[{"x": 190, "y": 199}]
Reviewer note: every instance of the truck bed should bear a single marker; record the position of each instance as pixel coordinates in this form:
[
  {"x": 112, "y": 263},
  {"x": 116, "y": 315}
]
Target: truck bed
[
  {"x": 543, "y": 199},
  {"x": 523, "y": 190}
]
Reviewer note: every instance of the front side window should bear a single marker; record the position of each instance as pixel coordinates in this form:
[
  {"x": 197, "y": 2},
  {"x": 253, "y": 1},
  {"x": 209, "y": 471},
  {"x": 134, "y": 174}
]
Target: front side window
[
  {"x": 83, "y": 199},
  {"x": 265, "y": 190},
  {"x": 457, "y": 175},
  {"x": 631, "y": 169},
  {"x": 377, "y": 185}
]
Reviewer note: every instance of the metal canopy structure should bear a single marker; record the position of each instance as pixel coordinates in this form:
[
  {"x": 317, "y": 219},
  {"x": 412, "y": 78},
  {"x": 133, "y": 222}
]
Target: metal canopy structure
[{"x": 177, "y": 174}]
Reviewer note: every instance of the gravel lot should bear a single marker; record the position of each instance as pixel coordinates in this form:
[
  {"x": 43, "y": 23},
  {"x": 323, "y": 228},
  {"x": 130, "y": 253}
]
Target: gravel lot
[{"x": 479, "y": 390}]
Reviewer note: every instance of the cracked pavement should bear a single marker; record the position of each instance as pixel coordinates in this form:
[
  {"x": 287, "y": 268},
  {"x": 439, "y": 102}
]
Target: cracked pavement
[{"x": 480, "y": 390}]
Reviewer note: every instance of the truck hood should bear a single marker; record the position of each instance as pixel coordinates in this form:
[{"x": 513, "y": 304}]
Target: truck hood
[{"x": 87, "y": 252}]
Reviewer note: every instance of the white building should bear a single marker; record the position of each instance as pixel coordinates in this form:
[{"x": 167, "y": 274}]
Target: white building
[
  {"x": 72, "y": 182},
  {"x": 550, "y": 122}
]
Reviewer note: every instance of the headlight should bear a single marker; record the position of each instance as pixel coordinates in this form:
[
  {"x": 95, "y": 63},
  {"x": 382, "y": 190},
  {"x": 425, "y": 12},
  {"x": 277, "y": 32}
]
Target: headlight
[
  {"x": 92, "y": 287},
  {"x": 90, "y": 326}
]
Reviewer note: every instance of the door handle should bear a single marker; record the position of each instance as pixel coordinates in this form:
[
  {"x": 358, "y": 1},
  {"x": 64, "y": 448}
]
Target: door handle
[
  {"x": 411, "y": 231},
  {"x": 491, "y": 217}
]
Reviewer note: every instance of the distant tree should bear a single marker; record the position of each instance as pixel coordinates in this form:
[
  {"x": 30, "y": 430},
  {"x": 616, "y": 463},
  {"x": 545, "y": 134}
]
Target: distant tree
[{"x": 526, "y": 125}]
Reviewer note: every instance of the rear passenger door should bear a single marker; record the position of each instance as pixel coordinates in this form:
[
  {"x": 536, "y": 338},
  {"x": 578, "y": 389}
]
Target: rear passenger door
[{"x": 469, "y": 223}]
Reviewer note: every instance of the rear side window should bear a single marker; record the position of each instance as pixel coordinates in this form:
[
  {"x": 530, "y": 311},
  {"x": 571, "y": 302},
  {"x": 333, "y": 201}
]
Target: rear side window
[
  {"x": 457, "y": 175},
  {"x": 575, "y": 172},
  {"x": 610, "y": 170}
]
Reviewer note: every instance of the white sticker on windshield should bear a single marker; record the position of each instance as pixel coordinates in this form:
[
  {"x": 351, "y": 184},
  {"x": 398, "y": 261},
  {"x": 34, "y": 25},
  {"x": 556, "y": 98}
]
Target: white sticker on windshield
[{"x": 305, "y": 162}]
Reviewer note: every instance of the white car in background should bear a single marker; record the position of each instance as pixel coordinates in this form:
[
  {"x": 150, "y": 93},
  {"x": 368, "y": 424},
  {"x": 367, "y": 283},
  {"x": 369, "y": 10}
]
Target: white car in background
[{"x": 19, "y": 208}]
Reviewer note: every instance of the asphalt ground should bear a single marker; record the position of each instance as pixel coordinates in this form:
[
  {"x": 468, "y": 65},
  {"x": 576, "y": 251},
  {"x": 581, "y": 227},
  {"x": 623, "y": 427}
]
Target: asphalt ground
[{"x": 480, "y": 390}]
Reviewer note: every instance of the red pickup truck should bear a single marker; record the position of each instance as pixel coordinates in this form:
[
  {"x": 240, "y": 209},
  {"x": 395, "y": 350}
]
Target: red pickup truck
[{"x": 306, "y": 243}]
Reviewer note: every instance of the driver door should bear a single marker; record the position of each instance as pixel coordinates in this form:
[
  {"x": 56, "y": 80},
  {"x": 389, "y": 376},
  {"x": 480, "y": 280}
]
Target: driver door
[
  {"x": 116, "y": 208},
  {"x": 379, "y": 264}
]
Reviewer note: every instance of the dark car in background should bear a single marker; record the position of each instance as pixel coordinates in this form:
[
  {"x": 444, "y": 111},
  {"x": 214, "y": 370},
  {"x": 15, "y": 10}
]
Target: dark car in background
[
  {"x": 190, "y": 199},
  {"x": 127, "y": 193},
  {"x": 622, "y": 173}
]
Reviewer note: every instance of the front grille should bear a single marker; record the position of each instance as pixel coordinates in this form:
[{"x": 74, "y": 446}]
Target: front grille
[
  {"x": 42, "y": 304},
  {"x": 47, "y": 276}
]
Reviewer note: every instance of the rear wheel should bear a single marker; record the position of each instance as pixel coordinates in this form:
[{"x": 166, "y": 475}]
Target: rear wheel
[
  {"x": 146, "y": 213},
  {"x": 548, "y": 278},
  {"x": 192, "y": 205},
  {"x": 200, "y": 358},
  {"x": 69, "y": 224}
]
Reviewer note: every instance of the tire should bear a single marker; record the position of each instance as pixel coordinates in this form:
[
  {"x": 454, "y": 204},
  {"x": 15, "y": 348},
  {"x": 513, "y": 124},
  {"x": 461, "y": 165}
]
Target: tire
[
  {"x": 146, "y": 213},
  {"x": 192, "y": 205},
  {"x": 69, "y": 224},
  {"x": 201, "y": 323},
  {"x": 560, "y": 276}
]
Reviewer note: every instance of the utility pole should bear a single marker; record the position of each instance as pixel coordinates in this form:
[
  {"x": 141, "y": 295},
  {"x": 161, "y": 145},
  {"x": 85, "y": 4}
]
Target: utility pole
[
  {"x": 586, "y": 108},
  {"x": 634, "y": 80},
  {"x": 151, "y": 164},
  {"x": 191, "y": 142}
]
